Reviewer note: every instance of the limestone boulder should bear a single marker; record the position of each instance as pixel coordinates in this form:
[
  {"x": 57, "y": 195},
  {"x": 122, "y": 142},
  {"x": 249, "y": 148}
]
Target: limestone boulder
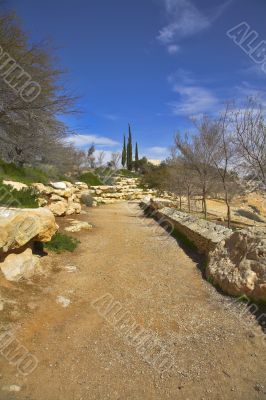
[
  {"x": 64, "y": 193},
  {"x": 104, "y": 188},
  {"x": 73, "y": 208},
  {"x": 112, "y": 195},
  {"x": 42, "y": 189},
  {"x": 238, "y": 264},
  {"x": 18, "y": 266},
  {"x": 42, "y": 202},
  {"x": 77, "y": 226},
  {"x": 58, "y": 185},
  {"x": 55, "y": 197},
  {"x": 68, "y": 184},
  {"x": 81, "y": 185},
  {"x": 58, "y": 208},
  {"x": 20, "y": 226},
  {"x": 15, "y": 185}
]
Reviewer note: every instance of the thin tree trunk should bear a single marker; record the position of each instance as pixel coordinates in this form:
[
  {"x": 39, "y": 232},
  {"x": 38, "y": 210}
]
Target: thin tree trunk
[
  {"x": 188, "y": 201},
  {"x": 180, "y": 203},
  {"x": 228, "y": 209}
]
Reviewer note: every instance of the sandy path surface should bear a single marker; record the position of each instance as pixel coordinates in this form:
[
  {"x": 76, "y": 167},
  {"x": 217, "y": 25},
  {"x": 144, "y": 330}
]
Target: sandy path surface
[{"x": 212, "y": 351}]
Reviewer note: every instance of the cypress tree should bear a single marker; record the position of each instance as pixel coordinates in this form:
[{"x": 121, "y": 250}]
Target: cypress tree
[
  {"x": 124, "y": 153},
  {"x": 129, "y": 150},
  {"x": 136, "y": 157}
]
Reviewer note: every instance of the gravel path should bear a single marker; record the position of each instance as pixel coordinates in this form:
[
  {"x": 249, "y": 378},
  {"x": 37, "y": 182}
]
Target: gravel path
[{"x": 187, "y": 341}]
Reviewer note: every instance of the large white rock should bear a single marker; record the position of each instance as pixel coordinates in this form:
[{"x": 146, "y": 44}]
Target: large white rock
[
  {"x": 58, "y": 185},
  {"x": 20, "y": 226},
  {"x": 23, "y": 265}
]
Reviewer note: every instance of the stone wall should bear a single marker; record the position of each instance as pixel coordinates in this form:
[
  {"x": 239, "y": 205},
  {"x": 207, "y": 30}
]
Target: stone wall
[
  {"x": 236, "y": 260},
  {"x": 203, "y": 234}
]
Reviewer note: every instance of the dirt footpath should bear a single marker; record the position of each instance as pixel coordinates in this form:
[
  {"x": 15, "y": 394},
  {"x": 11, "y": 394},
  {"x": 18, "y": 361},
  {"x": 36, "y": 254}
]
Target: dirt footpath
[{"x": 205, "y": 348}]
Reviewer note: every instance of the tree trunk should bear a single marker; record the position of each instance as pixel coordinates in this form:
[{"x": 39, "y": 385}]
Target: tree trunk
[
  {"x": 180, "y": 203},
  {"x": 188, "y": 201},
  {"x": 228, "y": 209}
]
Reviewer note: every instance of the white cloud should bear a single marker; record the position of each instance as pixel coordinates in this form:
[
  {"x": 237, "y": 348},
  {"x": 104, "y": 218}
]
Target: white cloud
[
  {"x": 86, "y": 140},
  {"x": 194, "y": 99},
  {"x": 157, "y": 153},
  {"x": 173, "y": 49},
  {"x": 185, "y": 19}
]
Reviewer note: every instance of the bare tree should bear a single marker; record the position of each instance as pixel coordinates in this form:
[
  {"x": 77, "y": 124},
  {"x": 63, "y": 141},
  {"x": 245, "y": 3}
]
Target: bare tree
[
  {"x": 223, "y": 154},
  {"x": 100, "y": 158},
  {"x": 91, "y": 156},
  {"x": 197, "y": 152},
  {"x": 250, "y": 136},
  {"x": 25, "y": 127},
  {"x": 115, "y": 160}
]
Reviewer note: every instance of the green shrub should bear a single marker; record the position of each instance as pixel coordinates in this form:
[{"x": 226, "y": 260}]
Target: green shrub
[
  {"x": 128, "y": 174},
  {"x": 27, "y": 175},
  {"x": 243, "y": 299},
  {"x": 249, "y": 215},
  {"x": 25, "y": 198},
  {"x": 90, "y": 179},
  {"x": 87, "y": 199},
  {"x": 60, "y": 243}
]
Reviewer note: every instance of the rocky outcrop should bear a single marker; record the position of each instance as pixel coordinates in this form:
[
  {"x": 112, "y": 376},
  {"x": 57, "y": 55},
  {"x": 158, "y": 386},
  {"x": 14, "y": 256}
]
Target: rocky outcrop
[
  {"x": 236, "y": 260},
  {"x": 19, "y": 228},
  {"x": 238, "y": 264},
  {"x": 62, "y": 198},
  {"x": 123, "y": 189}
]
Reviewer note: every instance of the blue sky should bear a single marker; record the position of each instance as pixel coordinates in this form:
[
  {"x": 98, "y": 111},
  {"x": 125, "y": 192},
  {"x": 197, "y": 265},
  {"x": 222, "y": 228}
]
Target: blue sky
[{"x": 153, "y": 63}]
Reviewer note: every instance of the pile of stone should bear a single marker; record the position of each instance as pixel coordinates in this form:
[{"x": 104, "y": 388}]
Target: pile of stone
[
  {"x": 65, "y": 198},
  {"x": 123, "y": 189},
  {"x": 62, "y": 198},
  {"x": 238, "y": 264},
  {"x": 19, "y": 229}
]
